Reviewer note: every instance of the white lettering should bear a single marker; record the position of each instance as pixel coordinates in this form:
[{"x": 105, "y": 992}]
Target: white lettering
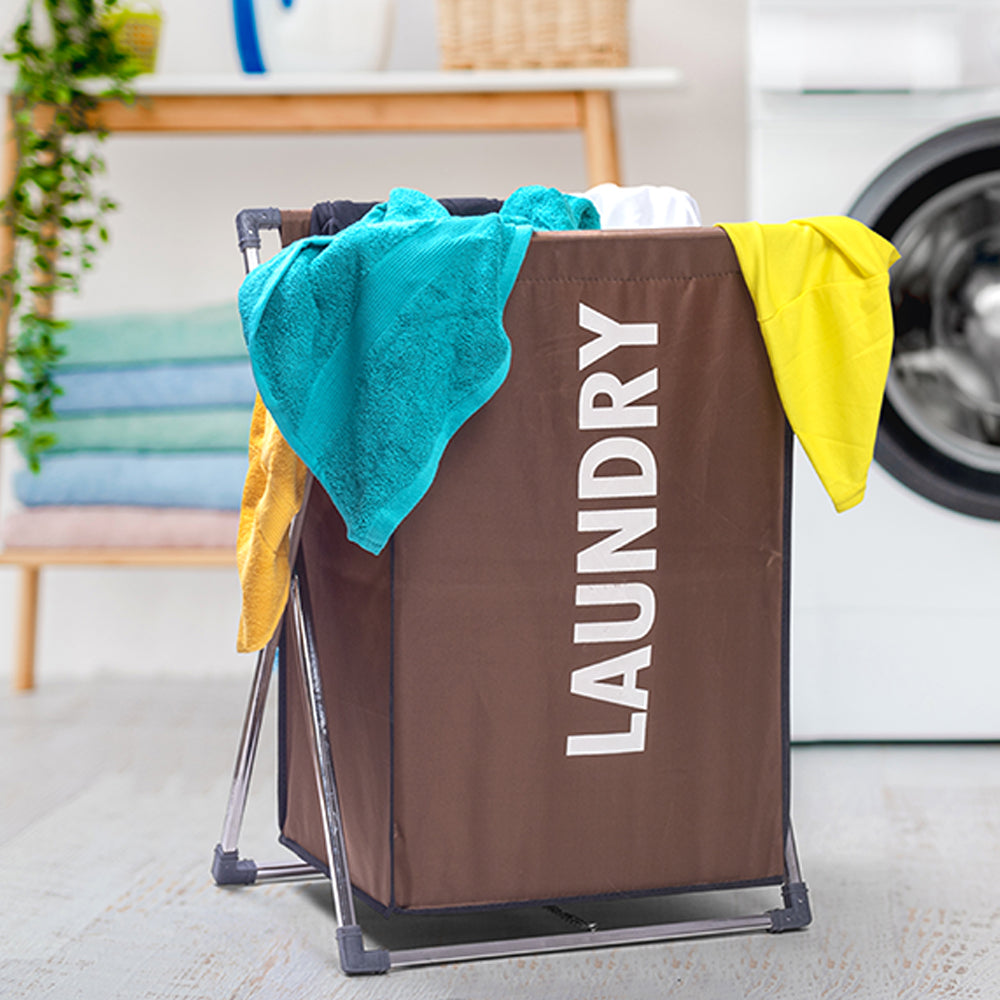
[
  {"x": 615, "y": 468},
  {"x": 591, "y": 486},
  {"x": 604, "y": 594},
  {"x": 606, "y": 555},
  {"x": 593, "y": 681},
  {"x": 600, "y": 744},
  {"x": 618, "y": 412},
  {"x": 611, "y": 334}
]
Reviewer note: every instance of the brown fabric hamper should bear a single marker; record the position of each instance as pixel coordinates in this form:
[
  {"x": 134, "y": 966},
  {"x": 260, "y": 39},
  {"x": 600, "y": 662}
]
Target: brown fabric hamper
[{"x": 447, "y": 660}]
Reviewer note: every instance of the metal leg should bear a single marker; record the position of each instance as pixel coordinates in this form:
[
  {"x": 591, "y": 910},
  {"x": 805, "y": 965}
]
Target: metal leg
[
  {"x": 796, "y": 912},
  {"x": 353, "y": 957},
  {"x": 793, "y": 915},
  {"x": 228, "y": 868},
  {"x": 247, "y": 754},
  {"x": 792, "y": 857},
  {"x": 573, "y": 942}
]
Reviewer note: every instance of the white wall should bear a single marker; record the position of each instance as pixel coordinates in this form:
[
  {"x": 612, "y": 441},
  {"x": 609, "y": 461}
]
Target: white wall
[{"x": 173, "y": 245}]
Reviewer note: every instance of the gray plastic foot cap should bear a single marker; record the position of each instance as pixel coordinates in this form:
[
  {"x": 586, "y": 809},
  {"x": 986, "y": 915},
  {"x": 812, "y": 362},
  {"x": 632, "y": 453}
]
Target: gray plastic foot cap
[
  {"x": 228, "y": 868},
  {"x": 796, "y": 912},
  {"x": 354, "y": 960}
]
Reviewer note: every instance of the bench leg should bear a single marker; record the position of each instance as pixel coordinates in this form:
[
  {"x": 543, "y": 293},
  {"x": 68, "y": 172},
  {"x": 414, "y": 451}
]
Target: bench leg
[{"x": 27, "y": 630}]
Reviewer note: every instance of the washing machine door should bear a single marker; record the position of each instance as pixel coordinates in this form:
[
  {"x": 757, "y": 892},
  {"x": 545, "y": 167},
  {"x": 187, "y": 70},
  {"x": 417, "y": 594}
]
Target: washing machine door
[{"x": 940, "y": 205}]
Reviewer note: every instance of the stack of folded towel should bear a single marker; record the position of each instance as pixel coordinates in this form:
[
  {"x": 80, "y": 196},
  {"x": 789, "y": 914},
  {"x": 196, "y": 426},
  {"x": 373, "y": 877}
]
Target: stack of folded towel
[{"x": 152, "y": 430}]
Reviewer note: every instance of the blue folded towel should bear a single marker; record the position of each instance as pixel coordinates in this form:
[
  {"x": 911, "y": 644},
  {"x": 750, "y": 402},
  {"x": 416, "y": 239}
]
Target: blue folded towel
[
  {"x": 210, "y": 480},
  {"x": 228, "y": 383},
  {"x": 372, "y": 347}
]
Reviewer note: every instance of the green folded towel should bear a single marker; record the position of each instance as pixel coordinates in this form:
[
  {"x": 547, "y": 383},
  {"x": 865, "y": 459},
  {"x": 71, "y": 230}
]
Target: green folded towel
[
  {"x": 222, "y": 428},
  {"x": 211, "y": 333}
]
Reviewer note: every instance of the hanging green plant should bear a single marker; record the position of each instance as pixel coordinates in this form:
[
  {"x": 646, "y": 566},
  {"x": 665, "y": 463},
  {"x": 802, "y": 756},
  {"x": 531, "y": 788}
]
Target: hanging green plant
[{"x": 67, "y": 57}]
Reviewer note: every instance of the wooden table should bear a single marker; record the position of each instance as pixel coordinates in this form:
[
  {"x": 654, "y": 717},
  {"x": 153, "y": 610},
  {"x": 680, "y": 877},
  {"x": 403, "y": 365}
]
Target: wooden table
[{"x": 452, "y": 101}]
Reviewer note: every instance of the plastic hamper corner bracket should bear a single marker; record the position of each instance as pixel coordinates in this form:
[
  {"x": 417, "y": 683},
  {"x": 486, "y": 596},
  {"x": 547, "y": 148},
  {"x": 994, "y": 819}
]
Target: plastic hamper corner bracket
[
  {"x": 228, "y": 868},
  {"x": 251, "y": 221},
  {"x": 796, "y": 912},
  {"x": 354, "y": 960}
]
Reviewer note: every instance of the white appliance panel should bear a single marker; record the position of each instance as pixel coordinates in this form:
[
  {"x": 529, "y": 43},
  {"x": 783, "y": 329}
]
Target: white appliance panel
[{"x": 896, "y": 603}]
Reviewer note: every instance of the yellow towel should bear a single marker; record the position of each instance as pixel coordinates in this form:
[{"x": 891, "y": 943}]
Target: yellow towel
[
  {"x": 272, "y": 495},
  {"x": 820, "y": 288}
]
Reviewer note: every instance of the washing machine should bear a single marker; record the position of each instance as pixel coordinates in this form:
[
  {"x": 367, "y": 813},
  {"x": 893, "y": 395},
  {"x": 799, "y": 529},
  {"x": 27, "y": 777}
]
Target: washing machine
[{"x": 889, "y": 110}]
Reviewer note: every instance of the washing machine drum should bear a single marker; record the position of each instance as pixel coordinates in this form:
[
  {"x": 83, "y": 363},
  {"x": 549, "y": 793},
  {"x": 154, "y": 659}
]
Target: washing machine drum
[{"x": 940, "y": 205}]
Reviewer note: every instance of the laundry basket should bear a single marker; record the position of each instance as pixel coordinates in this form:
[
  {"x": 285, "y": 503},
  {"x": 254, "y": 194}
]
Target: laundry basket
[{"x": 565, "y": 679}]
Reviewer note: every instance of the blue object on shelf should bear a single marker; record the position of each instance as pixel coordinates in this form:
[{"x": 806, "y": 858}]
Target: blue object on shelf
[
  {"x": 246, "y": 35},
  {"x": 312, "y": 36}
]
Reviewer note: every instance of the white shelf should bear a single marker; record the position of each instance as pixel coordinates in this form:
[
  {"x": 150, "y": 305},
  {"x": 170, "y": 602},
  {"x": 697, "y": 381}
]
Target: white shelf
[{"x": 430, "y": 82}]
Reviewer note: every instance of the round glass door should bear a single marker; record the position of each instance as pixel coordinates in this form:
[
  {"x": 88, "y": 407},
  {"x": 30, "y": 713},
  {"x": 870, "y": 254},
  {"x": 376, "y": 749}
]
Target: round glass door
[{"x": 940, "y": 427}]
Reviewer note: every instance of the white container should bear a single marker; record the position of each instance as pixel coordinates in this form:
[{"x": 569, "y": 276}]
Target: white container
[{"x": 323, "y": 36}]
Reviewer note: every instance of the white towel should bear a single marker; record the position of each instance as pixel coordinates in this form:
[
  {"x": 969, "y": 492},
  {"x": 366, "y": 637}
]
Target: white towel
[{"x": 643, "y": 207}]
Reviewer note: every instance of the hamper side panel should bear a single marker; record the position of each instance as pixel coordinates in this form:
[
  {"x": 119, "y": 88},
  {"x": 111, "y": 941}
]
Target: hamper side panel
[{"x": 490, "y": 806}]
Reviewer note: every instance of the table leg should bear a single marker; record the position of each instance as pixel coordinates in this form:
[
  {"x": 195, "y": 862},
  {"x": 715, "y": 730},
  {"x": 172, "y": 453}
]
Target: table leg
[
  {"x": 27, "y": 630},
  {"x": 599, "y": 138}
]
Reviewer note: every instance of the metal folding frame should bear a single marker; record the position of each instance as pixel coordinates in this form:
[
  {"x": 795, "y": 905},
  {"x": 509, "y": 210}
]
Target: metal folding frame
[{"x": 228, "y": 868}]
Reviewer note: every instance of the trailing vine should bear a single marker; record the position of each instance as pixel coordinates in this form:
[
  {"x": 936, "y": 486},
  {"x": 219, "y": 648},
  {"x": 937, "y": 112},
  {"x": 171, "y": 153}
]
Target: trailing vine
[{"x": 66, "y": 57}]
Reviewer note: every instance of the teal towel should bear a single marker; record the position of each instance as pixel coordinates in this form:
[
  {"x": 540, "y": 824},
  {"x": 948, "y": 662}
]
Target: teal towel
[
  {"x": 372, "y": 347},
  {"x": 545, "y": 208}
]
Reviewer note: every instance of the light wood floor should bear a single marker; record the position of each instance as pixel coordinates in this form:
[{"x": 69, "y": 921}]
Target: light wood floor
[{"x": 111, "y": 800}]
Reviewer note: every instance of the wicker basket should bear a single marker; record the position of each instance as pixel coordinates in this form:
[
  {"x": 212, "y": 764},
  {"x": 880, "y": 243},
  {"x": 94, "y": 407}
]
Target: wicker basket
[{"x": 519, "y": 34}]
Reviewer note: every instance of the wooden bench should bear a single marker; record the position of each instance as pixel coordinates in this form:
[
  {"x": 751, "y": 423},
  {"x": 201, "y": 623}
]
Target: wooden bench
[{"x": 31, "y": 560}]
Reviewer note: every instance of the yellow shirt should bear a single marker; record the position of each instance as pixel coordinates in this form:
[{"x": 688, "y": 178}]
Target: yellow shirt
[{"x": 820, "y": 288}]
